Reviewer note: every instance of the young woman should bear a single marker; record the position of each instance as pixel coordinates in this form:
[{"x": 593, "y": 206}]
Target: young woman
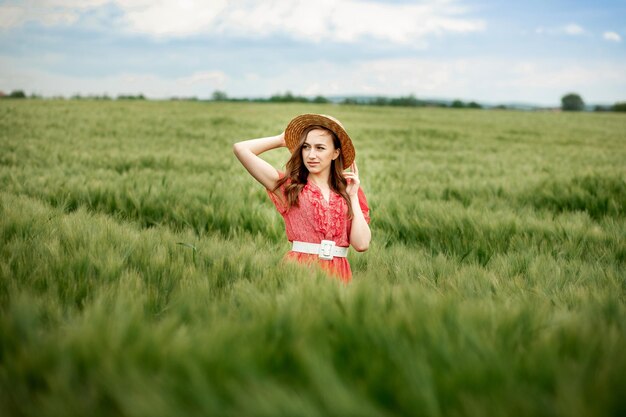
[{"x": 324, "y": 209}]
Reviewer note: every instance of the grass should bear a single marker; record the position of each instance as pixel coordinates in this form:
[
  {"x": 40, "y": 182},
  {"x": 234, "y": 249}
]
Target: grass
[{"x": 141, "y": 271}]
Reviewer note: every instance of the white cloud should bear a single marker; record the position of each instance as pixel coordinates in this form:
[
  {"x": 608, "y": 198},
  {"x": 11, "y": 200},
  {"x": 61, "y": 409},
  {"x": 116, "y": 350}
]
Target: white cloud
[
  {"x": 15, "y": 75},
  {"x": 573, "y": 29},
  {"x": 568, "y": 75},
  {"x": 347, "y": 21},
  {"x": 334, "y": 20},
  {"x": 74, "y": 4},
  {"x": 210, "y": 78},
  {"x": 46, "y": 12},
  {"x": 165, "y": 18},
  {"x": 323, "y": 20},
  {"x": 12, "y": 16},
  {"x": 612, "y": 36},
  {"x": 313, "y": 89}
]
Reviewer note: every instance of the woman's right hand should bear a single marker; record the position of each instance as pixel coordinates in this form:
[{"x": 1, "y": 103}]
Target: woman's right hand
[{"x": 282, "y": 138}]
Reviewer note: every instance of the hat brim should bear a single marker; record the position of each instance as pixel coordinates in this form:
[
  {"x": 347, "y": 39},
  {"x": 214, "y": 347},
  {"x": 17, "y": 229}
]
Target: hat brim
[{"x": 295, "y": 128}]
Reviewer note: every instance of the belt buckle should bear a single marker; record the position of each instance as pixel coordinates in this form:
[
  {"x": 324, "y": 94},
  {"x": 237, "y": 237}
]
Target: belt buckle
[{"x": 326, "y": 249}]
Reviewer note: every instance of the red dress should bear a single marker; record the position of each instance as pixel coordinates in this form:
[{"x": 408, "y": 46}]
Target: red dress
[{"x": 314, "y": 220}]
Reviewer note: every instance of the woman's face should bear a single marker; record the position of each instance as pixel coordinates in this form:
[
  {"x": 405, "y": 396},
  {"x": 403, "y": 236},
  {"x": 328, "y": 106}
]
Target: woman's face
[{"x": 318, "y": 151}]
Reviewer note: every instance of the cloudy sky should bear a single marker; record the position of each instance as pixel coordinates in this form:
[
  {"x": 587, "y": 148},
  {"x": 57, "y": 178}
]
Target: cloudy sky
[{"x": 490, "y": 51}]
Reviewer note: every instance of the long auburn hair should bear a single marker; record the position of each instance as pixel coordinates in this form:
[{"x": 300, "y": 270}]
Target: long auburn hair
[{"x": 296, "y": 171}]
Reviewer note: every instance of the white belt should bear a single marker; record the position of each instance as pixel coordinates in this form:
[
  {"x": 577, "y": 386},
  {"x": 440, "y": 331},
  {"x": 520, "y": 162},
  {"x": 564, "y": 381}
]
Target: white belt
[{"x": 326, "y": 250}]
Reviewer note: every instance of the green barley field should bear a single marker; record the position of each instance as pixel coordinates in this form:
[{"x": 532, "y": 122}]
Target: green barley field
[{"x": 141, "y": 273}]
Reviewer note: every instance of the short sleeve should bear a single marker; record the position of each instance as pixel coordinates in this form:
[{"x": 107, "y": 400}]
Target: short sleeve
[
  {"x": 279, "y": 202},
  {"x": 363, "y": 204}
]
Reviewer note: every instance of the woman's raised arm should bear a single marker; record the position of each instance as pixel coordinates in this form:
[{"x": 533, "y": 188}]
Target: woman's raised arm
[
  {"x": 248, "y": 153},
  {"x": 360, "y": 233}
]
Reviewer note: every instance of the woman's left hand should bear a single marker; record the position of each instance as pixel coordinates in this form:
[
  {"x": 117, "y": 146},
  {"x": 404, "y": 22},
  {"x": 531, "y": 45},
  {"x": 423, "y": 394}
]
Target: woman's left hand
[{"x": 353, "y": 180}]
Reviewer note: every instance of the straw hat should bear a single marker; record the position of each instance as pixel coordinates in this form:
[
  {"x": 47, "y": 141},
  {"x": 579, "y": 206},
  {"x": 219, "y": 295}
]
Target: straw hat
[{"x": 298, "y": 125}]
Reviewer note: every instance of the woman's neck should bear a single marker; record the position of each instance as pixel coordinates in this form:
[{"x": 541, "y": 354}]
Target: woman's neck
[{"x": 320, "y": 179}]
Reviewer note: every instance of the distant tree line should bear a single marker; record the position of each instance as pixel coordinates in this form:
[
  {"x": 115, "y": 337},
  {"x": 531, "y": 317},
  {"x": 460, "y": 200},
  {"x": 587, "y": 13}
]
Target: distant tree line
[
  {"x": 19, "y": 94},
  {"x": 107, "y": 97},
  {"x": 407, "y": 101},
  {"x": 569, "y": 102},
  {"x": 288, "y": 97},
  {"x": 619, "y": 106}
]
